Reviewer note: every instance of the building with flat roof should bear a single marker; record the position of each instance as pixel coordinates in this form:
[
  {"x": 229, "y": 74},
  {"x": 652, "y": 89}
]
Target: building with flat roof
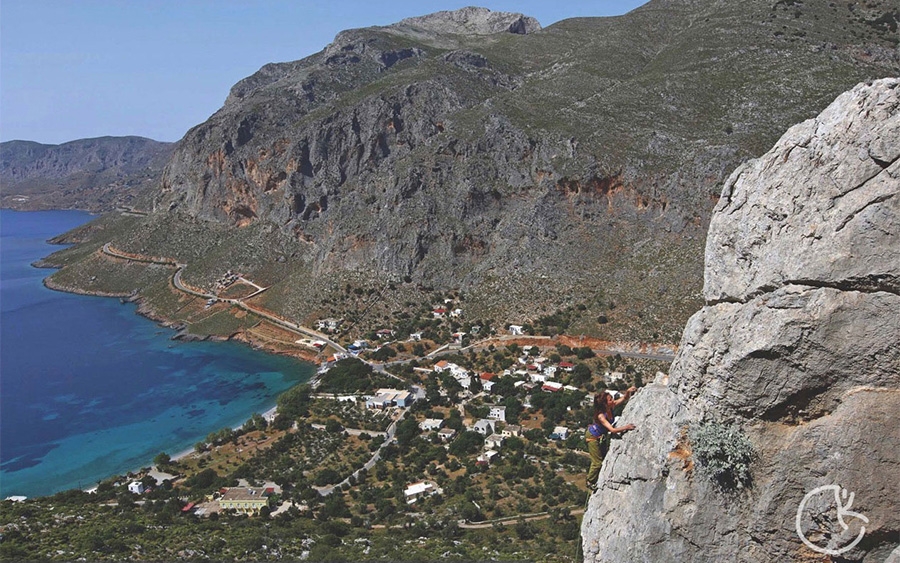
[
  {"x": 385, "y": 398},
  {"x": 244, "y": 500},
  {"x": 420, "y": 489}
]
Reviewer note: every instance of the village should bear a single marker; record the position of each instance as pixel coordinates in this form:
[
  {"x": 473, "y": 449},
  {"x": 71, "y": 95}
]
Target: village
[{"x": 389, "y": 429}]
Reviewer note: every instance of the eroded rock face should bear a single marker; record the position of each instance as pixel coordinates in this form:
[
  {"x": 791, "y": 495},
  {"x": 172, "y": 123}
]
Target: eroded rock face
[
  {"x": 799, "y": 345},
  {"x": 473, "y": 21}
]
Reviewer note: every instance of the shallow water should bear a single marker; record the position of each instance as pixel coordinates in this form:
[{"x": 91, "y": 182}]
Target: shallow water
[{"x": 89, "y": 389}]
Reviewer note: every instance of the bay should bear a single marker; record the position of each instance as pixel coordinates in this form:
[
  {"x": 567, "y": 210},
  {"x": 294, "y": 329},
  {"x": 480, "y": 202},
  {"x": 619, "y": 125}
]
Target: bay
[{"x": 90, "y": 389}]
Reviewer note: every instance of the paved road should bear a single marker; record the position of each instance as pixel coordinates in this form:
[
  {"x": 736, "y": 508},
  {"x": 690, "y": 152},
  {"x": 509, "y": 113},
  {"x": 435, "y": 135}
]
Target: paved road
[
  {"x": 507, "y": 520},
  {"x": 388, "y": 438},
  {"x": 179, "y": 285}
]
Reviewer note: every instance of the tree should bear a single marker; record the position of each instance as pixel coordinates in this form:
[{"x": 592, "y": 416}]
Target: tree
[
  {"x": 524, "y": 530},
  {"x": 407, "y": 430},
  {"x": 581, "y": 373},
  {"x": 584, "y": 353},
  {"x": 384, "y": 353},
  {"x": 466, "y": 443},
  {"x": 293, "y": 404},
  {"x": 162, "y": 459},
  {"x": 513, "y": 409}
]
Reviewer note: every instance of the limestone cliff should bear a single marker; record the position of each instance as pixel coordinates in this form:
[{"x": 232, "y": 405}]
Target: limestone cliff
[
  {"x": 533, "y": 168},
  {"x": 798, "y": 346}
]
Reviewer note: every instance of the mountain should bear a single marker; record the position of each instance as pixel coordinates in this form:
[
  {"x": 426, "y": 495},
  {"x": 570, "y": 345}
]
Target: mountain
[
  {"x": 92, "y": 174},
  {"x": 787, "y": 382},
  {"x": 536, "y": 170}
]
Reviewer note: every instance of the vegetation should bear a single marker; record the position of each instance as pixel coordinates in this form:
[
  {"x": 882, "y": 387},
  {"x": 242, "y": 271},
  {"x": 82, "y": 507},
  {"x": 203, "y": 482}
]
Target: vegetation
[
  {"x": 723, "y": 454},
  {"x": 353, "y": 376},
  {"x": 316, "y": 442}
]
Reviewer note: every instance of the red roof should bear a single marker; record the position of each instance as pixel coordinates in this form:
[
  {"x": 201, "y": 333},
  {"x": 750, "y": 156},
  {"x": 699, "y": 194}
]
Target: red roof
[
  {"x": 188, "y": 507},
  {"x": 566, "y": 365},
  {"x": 488, "y": 376},
  {"x": 440, "y": 310}
]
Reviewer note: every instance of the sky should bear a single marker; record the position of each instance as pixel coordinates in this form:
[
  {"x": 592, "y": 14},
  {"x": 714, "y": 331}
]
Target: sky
[{"x": 155, "y": 68}]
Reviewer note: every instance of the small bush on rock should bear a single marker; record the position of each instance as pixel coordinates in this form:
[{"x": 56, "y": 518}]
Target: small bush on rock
[{"x": 722, "y": 454}]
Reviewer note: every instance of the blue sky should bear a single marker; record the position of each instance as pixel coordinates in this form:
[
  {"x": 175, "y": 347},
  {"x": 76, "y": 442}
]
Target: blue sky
[{"x": 154, "y": 68}]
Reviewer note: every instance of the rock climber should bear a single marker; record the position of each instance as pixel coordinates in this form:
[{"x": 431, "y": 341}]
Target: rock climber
[{"x": 600, "y": 430}]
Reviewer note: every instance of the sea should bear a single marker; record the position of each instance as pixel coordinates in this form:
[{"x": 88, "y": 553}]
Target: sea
[{"x": 90, "y": 389}]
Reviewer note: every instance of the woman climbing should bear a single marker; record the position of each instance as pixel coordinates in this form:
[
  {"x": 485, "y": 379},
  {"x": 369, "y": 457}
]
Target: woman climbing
[{"x": 601, "y": 428}]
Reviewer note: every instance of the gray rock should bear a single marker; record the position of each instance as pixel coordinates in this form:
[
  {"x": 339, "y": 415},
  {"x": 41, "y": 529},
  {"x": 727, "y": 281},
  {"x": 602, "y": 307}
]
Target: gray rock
[
  {"x": 807, "y": 211},
  {"x": 575, "y": 165},
  {"x": 798, "y": 346},
  {"x": 94, "y": 174},
  {"x": 472, "y": 21}
]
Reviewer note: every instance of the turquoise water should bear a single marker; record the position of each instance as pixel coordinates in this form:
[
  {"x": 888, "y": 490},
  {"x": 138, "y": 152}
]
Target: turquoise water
[{"x": 90, "y": 389}]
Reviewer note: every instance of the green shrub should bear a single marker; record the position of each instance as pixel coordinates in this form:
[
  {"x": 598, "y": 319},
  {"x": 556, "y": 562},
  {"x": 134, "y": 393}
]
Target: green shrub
[{"x": 722, "y": 454}]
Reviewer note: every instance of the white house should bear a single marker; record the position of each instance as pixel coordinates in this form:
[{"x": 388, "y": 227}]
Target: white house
[
  {"x": 446, "y": 434},
  {"x": 442, "y": 366},
  {"x": 431, "y": 424},
  {"x": 497, "y": 412},
  {"x": 385, "y": 398},
  {"x": 614, "y": 376},
  {"x": 458, "y": 371},
  {"x": 415, "y": 337},
  {"x": 487, "y": 457},
  {"x": 455, "y": 313},
  {"x": 493, "y": 442},
  {"x": 537, "y": 377},
  {"x": 330, "y": 325},
  {"x": 559, "y": 433},
  {"x": 421, "y": 489},
  {"x": 484, "y": 427},
  {"x": 516, "y": 330},
  {"x": 511, "y": 430},
  {"x": 136, "y": 487}
]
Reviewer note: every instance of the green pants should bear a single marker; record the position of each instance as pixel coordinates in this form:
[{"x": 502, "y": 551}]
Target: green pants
[{"x": 597, "y": 448}]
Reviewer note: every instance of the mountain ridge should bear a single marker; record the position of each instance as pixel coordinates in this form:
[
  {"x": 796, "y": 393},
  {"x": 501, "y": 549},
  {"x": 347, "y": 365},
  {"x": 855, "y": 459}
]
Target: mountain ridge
[
  {"x": 573, "y": 166},
  {"x": 95, "y": 174}
]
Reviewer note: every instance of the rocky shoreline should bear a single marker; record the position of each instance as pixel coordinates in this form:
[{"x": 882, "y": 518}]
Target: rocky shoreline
[{"x": 181, "y": 334}]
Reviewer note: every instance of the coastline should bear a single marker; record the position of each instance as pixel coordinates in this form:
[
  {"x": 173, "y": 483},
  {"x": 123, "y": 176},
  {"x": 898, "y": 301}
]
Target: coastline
[
  {"x": 243, "y": 336},
  {"x": 268, "y": 415}
]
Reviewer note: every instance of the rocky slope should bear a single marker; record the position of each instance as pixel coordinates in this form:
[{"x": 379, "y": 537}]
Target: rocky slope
[
  {"x": 93, "y": 174},
  {"x": 534, "y": 169},
  {"x": 798, "y": 347}
]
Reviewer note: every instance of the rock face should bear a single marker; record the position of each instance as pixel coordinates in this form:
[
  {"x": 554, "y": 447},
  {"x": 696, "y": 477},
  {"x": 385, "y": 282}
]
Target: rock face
[
  {"x": 92, "y": 174},
  {"x": 472, "y": 21},
  {"x": 475, "y": 150},
  {"x": 798, "y": 346}
]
